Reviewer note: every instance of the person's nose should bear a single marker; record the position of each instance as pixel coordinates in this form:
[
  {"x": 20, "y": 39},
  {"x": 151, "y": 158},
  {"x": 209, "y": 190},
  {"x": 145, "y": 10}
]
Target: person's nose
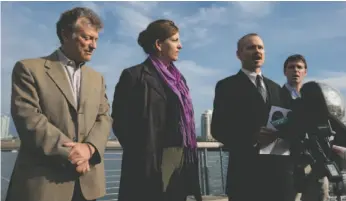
[
  {"x": 180, "y": 46},
  {"x": 93, "y": 44}
]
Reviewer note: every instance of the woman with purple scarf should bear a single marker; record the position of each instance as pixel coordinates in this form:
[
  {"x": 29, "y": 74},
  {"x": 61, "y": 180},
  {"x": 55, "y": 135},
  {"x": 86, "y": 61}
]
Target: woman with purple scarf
[{"x": 153, "y": 119}]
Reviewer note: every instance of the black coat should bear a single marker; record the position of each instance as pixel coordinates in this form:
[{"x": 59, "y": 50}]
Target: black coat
[
  {"x": 144, "y": 110},
  {"x": 239, "y": 112}
]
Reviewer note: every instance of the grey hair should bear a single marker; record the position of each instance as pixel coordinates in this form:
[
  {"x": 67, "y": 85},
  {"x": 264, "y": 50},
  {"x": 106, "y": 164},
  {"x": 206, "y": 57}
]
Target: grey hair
[{"x": 68, "y": 21}]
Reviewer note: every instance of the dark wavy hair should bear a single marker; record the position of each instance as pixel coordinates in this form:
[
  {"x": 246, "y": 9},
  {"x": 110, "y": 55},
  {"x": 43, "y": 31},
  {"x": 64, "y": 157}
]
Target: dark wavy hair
[{"x": 295, "y": 57}]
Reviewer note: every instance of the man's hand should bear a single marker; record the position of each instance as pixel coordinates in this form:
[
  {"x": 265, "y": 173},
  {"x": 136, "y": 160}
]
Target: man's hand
[
  {"x": 83, "y": 167},
  {"x": 80, "y": 152},
  {"x": 266, "y": 136}
]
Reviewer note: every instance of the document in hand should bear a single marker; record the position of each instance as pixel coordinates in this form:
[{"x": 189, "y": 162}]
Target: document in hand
[{"x": 277, "y": 116}]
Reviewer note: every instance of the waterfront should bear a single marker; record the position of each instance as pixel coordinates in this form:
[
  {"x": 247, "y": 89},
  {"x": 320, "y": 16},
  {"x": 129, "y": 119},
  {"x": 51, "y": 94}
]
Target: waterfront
[
  {"x": 212, "y": 175},
  {"x": 213, "y": 167}
]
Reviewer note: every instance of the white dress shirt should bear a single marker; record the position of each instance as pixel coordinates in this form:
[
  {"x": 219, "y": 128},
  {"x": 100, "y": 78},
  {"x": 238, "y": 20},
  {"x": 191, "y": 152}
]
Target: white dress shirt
[
  {"x": 294, "y": 93},
  {"x": 252, "y": 76},
  {"x": 74, "y": 74}
]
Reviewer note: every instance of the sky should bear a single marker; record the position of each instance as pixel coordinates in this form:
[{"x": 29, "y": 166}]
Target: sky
[{"x": 209, "y": 32}]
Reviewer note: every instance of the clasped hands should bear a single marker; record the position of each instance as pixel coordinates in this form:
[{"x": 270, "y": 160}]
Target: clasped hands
[{"x": 80, "y": 154}]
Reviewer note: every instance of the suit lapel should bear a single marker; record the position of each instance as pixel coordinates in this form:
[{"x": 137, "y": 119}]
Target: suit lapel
[
  {"x": 253, "y": 88},
  {"x": 56, "y": 72},
  {"x": 85, "y": 85},
  {"x": 286, "y": 92},
  {"x": 247, "y": 83},
  {"x": 153, "y": 78},
  {"x": 286, "y": 97},
  {"x": 269, "y": 89}
]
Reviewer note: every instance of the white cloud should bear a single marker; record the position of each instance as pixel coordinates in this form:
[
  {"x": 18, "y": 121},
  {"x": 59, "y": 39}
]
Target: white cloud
[
  {"x": 109, "y": 59},
  {"x": 313, "y": 27},
  {"x": 191, "y": 67},
  {"x": 207, "y": 16},
  {"x": 334, "y": 79},
  {"x": 97, "y": 8},
  {"x": 206, "y": 90},
  {"x": 143, "y": 6},
  {"x": 17, "y": 45},
  {"x": 209, "y": 36},
  {"x": 252, "y": 10},
  {"x": 337, "y": 80},
  {"x": 132, "y": 22},
  {"x": 201, "y": 81}
]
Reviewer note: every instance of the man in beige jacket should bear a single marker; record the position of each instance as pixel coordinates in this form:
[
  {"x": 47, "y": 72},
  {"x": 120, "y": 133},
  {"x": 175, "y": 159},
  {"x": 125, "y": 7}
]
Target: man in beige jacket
[{"x": 61, "y": 112}]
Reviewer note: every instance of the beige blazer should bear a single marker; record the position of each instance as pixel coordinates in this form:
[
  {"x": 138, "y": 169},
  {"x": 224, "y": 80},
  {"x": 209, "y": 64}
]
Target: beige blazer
[{"x": 43, "y": 111}]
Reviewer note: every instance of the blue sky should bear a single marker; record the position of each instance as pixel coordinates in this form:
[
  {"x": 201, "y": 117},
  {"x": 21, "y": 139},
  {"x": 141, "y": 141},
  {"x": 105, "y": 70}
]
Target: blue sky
[{"x": 209, "y": 32}]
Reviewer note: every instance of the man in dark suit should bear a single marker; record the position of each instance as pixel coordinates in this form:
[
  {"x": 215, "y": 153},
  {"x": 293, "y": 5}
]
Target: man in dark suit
[
  {"x": 241, "y": 109},
  {"x": 309, "y": 188}
]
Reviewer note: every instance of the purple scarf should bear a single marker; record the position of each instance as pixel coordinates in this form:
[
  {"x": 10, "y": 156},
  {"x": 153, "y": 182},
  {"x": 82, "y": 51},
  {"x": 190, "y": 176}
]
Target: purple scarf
[{"x": 173, "y": 79}]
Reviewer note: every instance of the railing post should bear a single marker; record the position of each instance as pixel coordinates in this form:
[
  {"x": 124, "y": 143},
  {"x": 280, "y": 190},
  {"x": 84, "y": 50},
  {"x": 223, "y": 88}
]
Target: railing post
[
  {"x": 221, "y": 168},
  {"x": 201, "y": 172},
  {"x": 207, "y": 187}
]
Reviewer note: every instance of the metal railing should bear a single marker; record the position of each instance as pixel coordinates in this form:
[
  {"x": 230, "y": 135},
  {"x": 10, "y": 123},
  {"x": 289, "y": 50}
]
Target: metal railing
[{"x": 213, "y": 163}]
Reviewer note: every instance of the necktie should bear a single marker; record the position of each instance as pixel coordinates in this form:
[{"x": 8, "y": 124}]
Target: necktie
[{"x": 260, "y": 87}]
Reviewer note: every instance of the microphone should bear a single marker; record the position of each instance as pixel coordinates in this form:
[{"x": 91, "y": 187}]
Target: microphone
[
  {"x": 280, "y": 122},
  {"x": 320, "y": 110}
]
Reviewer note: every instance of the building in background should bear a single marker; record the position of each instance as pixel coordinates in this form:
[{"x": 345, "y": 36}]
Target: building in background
[
  {"x": 5, "y": 127},
  {"x": 205, "y": 125}
]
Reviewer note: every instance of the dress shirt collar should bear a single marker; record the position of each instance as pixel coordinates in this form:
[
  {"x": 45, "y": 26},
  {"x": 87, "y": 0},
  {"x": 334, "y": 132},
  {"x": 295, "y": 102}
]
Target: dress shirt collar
[
  {"x": 65, "y": 61},
  {"x": 293, "y": 92},
  {"x": 251, "y": 75}
]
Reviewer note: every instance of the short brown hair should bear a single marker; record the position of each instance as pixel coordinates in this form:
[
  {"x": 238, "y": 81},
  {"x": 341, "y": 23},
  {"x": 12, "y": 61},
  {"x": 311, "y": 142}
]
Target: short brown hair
[
  {"x": 158, "y": 30},
  {"x": 69, "y": 18},
  {"x": 241, "y": 40},
  {"x": 295, "y": 57}
]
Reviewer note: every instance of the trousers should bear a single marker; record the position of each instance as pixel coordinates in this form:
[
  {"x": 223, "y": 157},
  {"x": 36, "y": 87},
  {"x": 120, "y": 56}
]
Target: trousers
[{"x": 77, "y": 193}]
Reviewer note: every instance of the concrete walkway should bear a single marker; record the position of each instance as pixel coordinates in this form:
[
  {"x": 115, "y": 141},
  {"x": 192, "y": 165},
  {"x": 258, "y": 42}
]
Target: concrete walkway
[{"x": 210, "y": 198}]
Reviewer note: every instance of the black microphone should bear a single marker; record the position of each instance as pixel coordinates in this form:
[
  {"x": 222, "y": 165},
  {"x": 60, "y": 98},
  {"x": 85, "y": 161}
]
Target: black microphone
[{"x": 320, "y": 111}]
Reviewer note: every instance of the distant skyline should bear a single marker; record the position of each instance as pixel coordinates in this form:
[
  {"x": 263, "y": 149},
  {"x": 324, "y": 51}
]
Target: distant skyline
[{"x": 209, "y": 32}]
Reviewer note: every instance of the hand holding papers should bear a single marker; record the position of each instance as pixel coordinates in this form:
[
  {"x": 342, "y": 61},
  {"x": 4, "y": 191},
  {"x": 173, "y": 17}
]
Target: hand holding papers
[
  {"x": 277, "y": 117},
  {"x": 341, "y": 151},
  {"x": 266, "y": 136}
]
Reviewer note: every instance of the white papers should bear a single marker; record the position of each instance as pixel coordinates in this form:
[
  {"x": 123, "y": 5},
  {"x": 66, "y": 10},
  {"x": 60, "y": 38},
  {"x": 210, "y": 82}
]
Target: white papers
[{"x": 279, "y": 146}]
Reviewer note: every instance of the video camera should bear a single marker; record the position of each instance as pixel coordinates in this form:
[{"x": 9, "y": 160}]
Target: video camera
[{"x": 313, "y": 127}]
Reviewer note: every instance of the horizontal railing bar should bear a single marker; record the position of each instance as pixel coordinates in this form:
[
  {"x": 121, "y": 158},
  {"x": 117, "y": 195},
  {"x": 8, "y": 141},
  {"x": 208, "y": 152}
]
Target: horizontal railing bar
[
  {"x": 113, "y": 176},
  {"x": 112, "y": 159},
  {"x": 111, "y": 145},
  {"x": 117, "y": 170},
  {"x": 112, "y": 182},
  {"x": 4, "y": 178},
  {"x": 113, "y": 153},
  {"x": 116, "y": 187},
  {"x": 111, "y": 194}
]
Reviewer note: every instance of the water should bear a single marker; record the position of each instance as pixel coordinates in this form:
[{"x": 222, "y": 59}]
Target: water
[{"x": 214, "y": 176}]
